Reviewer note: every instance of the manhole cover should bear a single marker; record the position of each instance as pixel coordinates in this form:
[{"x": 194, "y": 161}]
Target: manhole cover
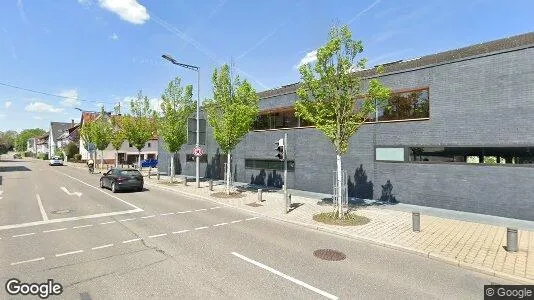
[
  {"x": 61, "y": 212},
  {"x": 329, "y": 254}
]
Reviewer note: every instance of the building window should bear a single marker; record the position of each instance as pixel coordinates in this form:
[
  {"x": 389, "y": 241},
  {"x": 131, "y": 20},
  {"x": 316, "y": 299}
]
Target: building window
[
  {"x": 191, "y": 132},
  {"x": 473, "y": 155},
  {"x": 268, "y": 164},
  {"x": 405, "y": 105},
  {"x": 192, "y": 158},
  {"x": 148, "y": 145},
  {"x": 389, "y": 154},
  {"x": 130, "y": 145}
]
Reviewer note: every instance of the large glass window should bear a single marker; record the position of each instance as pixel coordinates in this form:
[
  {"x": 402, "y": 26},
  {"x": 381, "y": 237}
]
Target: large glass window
[
  {"x": 473, "y": 155},
  {"x": 266, "y": 164},
  {"x": 389, "y": 154},
  {"x": 406, "y": 105},
  {"x": 192, "y": 131},
  {"x": 278, "y": 119}
]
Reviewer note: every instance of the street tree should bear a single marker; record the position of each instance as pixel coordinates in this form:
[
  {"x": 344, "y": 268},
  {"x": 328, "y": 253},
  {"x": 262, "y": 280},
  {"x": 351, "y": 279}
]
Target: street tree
[
  {"x": 330, "y": 93},
  {"x": 86, "y": 135},
  {"x": 117, "y": 137},
  {"x": 140, "y": 124},
  {"x": 102, "y": 132},
  {"x": 7, "y": 141},
  {"x": 176, "y": 108},
  {"x": 231, "y": 112}
]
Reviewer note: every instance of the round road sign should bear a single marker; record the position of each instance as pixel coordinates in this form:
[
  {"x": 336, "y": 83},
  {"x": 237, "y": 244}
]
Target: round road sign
[{"x": 197, "y": 151}]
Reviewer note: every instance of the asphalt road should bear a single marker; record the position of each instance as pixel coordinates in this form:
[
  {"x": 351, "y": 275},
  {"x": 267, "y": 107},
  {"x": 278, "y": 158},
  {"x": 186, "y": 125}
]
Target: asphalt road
[{"x": 56, "y": 223}]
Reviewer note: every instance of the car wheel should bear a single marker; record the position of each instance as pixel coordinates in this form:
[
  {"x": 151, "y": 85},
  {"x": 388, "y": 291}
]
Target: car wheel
[
  {"x": 101, "y": 183},
  {"x": 140, "y": 189},
  {"x": 113, "y": 187}
]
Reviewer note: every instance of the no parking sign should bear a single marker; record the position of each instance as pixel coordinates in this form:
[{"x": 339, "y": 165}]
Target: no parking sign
[{"x": 197, "y": 151}]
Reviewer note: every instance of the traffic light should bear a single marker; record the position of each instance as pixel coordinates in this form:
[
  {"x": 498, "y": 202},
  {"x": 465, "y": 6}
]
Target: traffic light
[{"x": 280, "y": 149}]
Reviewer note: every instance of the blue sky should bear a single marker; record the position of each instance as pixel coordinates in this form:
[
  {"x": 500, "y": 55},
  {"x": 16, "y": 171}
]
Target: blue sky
[{"x": 104, "y": 51}]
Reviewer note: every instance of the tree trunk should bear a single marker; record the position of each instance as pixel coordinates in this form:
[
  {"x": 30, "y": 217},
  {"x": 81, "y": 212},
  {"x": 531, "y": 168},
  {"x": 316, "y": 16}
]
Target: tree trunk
[
  {"x": 228, "y": 171},
  {"x": 101, "y": 159},
  {"x": 139, "y": 160},
  {"x": 339, "y": 185},
  {"x": 116, "y": 158},
  {"x": 172, "y": 167}
]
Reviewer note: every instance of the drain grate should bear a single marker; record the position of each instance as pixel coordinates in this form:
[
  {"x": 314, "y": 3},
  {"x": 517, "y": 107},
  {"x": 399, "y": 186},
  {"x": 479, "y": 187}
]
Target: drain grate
[
  {"x": 329, "y": 254},
  {"x": 254, "y": 204},
  {"x": 61, "y": 211}
]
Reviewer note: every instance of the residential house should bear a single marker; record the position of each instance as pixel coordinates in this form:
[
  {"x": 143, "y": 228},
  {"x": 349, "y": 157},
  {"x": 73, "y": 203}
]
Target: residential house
[
  {"x": 127, "y": 154},
  {"x": 31, "y": 146},
  {"x": 41, "y": 143},
  {"x": 56, "y": 130}
]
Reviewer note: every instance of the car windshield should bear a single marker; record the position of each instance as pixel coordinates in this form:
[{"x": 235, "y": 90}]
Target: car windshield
[{"x": 130, "y": 173}]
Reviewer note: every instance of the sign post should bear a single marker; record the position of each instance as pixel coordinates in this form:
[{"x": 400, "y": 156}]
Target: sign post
[{"x": 198, "y": 151}]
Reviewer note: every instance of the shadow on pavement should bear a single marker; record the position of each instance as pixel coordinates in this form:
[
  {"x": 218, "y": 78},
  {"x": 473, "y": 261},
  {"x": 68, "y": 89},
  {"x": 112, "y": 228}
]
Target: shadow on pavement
[{"x": 14, "y": 169}]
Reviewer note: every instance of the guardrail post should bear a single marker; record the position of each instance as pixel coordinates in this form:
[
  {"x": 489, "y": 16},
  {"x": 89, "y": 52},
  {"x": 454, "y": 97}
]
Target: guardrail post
[
  {"x": 511, "y": 239},
  {"x": 416, "y": 221},
  {"x": 260, "y": 195},
  {"x": 185, "y": 180},
  {"x": 211, "y": 184}
]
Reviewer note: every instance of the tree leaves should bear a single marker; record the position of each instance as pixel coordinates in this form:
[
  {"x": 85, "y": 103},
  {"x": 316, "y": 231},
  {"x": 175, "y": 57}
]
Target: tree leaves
[
  {"x": 330, "y": 89},
  {"x": 177, "y": 107},
  {"x": 102, "y": 131},
  {"x": 233, "y": 109},
  {"x": 140, "y": 125}
]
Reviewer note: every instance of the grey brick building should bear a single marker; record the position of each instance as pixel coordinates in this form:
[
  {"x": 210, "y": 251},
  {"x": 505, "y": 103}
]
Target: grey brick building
[{"x": 459, "y": 135}]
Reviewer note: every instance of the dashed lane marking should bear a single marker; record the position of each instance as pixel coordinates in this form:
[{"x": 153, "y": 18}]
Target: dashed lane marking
[
  {"x": 27, "y": 261},
  {"x": 69, "y": 253},
  {"x": 156, "y": 235},
  {"x": 249, "y": 219},
  {"x": 83, "y": 226},
  {"x": 167, "y": 214},
  {"x": 236, "y": 221},
  {"x": 54, "y": 230},
  {"x": 200, "y": 228},
  {"x": 181, "y": 231},
  {"x": 110, "y": 222},
  {"x": 220, "y": 224},
  {"x": 146, "y": 217},
  {"x": 102, "y": 247},
  {"x": 130, "y": 241},
  {"x": 124, "y": 220},
  {"x": 25, "y": 234}
]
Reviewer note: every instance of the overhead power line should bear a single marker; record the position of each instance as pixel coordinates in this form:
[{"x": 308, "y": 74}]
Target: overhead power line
[{"x": 55, "y": 95}]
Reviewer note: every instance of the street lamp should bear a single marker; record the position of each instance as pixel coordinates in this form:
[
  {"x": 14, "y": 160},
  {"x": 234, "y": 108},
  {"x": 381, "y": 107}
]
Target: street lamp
[{"x": 197, "y": 69}]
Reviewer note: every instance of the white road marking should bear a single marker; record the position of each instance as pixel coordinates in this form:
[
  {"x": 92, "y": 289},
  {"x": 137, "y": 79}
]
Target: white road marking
[
  {"x": 167, "y": 214},
  {"x": 110, "y": 222},
  {"x": 69, "y": 193},
  {"x": 181, "y": 231},
  {"x": 83, "y": 226},
  {"x": 200, "y": 228},
  {"x": 27, "y": 261},
  {"x": 201, "y": 209},
  {"x": 237, "y": 221},
  {"x": 251, "y": 219},
  {"x": 98, "y": 189},
  {"x": 157, "y": 235},
  {"x": 294, "y": 280},
  {"x": 146, "y": 217},
  {"x": 5, "y": 227},
  {"x": 69, "y": 253},
  {"x": 53, "y": 230},
  {"x": 220, "y": 224},
  {"x": 41, "y": 208},
  {"x": 132, "y": 240},
  {"x": 124, "y": 220},
  {"x": 215, "y": 207},
  {"x": 184, "y": 212},
  {"x": 102, "y": 247},
  {"x": 25, "y": 234}
]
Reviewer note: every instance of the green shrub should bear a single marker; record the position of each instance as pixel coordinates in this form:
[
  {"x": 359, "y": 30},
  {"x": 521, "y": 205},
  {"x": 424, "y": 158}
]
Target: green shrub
[
  {"x": 77, "y": 157},
  {"x": 45, "y": 156}
]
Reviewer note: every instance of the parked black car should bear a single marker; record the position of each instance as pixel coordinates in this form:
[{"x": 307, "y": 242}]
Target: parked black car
[{"x": 122, "y": 179}]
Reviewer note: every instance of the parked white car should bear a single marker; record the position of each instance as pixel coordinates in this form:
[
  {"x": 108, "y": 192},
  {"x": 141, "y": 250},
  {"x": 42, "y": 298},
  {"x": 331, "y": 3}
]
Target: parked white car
[{"x": 56, "y": 161}]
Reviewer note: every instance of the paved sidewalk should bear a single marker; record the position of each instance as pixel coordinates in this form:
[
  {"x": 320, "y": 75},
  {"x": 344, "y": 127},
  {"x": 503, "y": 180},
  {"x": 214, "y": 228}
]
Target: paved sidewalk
[{"x": 469, "y": 245}]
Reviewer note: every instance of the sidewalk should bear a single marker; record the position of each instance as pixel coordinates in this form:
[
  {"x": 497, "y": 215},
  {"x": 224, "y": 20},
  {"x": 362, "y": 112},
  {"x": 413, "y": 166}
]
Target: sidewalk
[{"x": 466, "y": 244}]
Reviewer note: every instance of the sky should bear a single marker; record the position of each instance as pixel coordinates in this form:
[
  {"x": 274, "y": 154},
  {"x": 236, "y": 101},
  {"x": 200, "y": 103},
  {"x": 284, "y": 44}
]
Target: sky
[{"x": 102, "y": 52}]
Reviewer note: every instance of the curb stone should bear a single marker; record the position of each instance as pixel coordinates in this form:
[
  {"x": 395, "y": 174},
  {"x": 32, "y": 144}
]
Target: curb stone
[{"x": 429, "y": 255}]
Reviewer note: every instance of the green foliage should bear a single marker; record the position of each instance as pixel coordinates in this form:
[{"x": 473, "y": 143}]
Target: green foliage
[
  {"x": 232, "y": 110},
  {"x": 43, "y": 156},
  {"x": 139, "y": 125},
  {"x": 7, "y": 140},
  {"x": 329, "y": 90},
  {"x": 177, "y": 107},
  {"x": 86, "y": 134},
  {"x": 77, "y": 157},
  {"x": 71, "y": 149},
  {"x": 101, "y": 131},
  {"x": 21, "y": 141},
  {"x": 59, "y": 152},
  {"x": 117, "y": 137}
]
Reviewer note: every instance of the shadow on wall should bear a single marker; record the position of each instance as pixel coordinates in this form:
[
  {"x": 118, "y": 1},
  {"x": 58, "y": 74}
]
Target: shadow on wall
[
  {"x": 387, "y": 194},
  {"x": 213, "y": 169},
  {"x": 274, "y": 179},
  {"x": 360, "y": 188}
]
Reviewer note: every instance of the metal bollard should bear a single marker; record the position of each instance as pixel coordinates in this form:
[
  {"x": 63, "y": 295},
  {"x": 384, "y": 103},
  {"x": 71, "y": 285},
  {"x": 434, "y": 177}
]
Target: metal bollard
[
  {"x": 260, "y": 195},
  {"x": 149, "y": 174},
  {"x": 158, "y": 175},
  {"x": 511, "y": 239},
  {"x": 185, "y": 181},
  {"x": 416, "y": 221},
  {"x": 211, "y": 185}
]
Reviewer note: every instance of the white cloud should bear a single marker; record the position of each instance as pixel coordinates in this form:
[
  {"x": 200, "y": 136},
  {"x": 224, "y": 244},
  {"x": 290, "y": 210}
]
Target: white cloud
[
  {"x": 22, "y": 13},
  {"x": 309, "y": 58},
  {"x": 7, "y": 104},
  {"x": 128, "y": 10},
  {"x": 114, "y": 36},
  {"x": 85, "y": 3},
  {"x": 155, "y": 104},
  {"x": 72, "y": 98},
  {"x": 99, "y": 105},
  {"x": 42, "y": 107}
]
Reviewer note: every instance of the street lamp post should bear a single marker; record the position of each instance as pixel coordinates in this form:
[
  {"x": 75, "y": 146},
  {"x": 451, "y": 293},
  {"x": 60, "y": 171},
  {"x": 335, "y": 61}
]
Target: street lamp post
[{"x": 197, "y": 69}]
